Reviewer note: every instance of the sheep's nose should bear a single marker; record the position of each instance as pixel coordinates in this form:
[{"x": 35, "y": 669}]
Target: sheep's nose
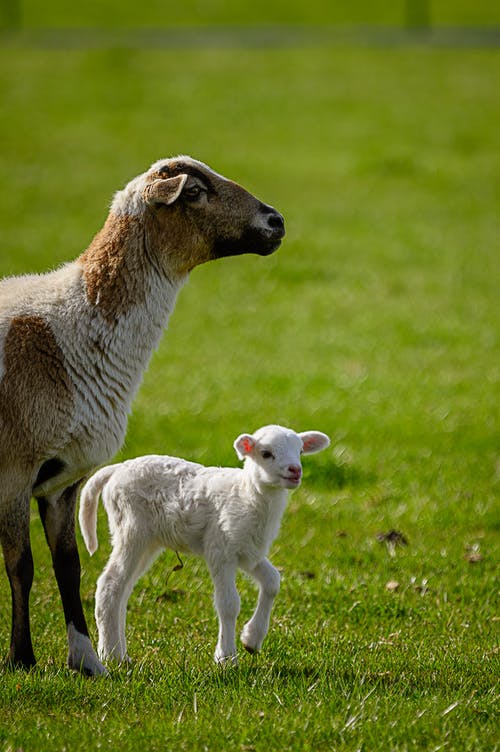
[
  {"x": 274, "y": 220},
  {"x": 295, "y": 470}
]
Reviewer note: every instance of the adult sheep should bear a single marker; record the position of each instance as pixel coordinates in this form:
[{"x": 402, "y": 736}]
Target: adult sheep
[{"x": 73, "y": 346}]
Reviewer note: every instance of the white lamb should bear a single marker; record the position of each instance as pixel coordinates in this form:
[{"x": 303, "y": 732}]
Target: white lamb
[{"x": 230, "y": 516}]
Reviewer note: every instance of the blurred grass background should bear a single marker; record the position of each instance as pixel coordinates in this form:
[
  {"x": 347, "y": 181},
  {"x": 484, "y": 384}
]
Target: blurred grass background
[
  {"x": 377, "y": 322},
  {"x": 107, "y": 13}
]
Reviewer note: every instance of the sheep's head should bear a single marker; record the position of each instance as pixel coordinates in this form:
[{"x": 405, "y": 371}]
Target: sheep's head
[
  {"x": 193, "y": 215},
  {"x": 272, "y": 454}
]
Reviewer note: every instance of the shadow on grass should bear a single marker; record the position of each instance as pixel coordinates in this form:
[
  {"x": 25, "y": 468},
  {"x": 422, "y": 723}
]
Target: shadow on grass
[
  {"x": 336, "y": 681},
  {"x": 334, "y": 476}
]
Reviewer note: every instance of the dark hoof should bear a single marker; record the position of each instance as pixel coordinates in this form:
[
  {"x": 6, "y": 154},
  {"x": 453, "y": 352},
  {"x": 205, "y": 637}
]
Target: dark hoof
[{"x": 250, "y": 650}]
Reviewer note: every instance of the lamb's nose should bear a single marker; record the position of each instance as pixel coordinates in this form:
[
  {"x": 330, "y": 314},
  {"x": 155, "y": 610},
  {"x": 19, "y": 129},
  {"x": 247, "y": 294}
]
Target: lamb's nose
[{"x": 295, "y": 470}]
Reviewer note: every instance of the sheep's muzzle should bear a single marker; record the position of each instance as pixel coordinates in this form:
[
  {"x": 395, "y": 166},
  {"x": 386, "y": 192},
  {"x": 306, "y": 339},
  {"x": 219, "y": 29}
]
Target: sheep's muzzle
[{"x": 263, "y": 237}]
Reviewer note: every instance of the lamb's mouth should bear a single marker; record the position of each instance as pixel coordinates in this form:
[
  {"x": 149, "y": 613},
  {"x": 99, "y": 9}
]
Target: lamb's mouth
[{"x": 292, "y": 480}]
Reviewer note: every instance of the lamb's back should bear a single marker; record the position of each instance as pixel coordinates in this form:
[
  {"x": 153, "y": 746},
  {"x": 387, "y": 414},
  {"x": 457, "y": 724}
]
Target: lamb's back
[{"x": 182, "y": 503}]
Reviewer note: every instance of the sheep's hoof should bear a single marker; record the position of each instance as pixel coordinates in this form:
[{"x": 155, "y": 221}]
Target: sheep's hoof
[
  {"x": 94, "y": 668},
  {"x": 10, "y": 664},
  {"x": 81, "y": 654}
]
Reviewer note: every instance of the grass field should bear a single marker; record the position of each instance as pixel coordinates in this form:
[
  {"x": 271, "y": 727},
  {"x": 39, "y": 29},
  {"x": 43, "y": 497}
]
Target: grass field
[
  {"x": 157, "y": 13},
  {"x": 376, "y": 322}
]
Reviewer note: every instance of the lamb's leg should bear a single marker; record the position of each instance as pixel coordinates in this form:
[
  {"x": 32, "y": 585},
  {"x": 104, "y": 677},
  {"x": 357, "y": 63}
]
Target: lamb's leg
[
  {"x": 58, "y": 519},
  {"x": 227, "y": 604},
  {"x": 145, "y": 562},
  {"x": 14, "y": 537},
  {"x": 256, "y": 629},
  {"x": 128, "y": 561}
]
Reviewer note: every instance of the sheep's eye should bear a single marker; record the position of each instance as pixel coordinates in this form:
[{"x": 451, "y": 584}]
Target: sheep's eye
[
  {"x": 193, "y": 192},
  {"x": 266, "y": 454}
]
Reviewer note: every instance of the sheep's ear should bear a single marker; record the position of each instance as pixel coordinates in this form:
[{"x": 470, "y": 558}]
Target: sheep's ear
[
  {"x": 164, "y": 191},
  {"x": 244, "y": 445},
  {"x": 314, "y": 441}
]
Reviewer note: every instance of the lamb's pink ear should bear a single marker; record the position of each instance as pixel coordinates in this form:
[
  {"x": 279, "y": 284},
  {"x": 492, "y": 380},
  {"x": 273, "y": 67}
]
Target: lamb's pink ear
[
  {"x": 164, "y": 191},
  {"x": 244, "y": 445},
  {"x": 314, "y": 441}
]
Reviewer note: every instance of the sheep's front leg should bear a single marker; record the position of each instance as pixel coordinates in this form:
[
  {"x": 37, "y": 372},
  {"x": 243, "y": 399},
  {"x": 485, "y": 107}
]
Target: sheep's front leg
[
  {"x": 255, "y": 630},
  {"x": 227, "y": 604}
]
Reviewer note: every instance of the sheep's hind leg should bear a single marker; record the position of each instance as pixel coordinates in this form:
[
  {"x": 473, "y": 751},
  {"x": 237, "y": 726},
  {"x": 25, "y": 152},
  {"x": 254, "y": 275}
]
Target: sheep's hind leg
[
  {"x": 255, "y": 630},
  {"x": 14, "y": 537},
  {"x": 58, "y": 519}
]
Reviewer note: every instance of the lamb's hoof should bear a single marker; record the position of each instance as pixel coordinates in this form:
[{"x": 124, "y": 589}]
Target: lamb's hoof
[
  {"x": 226, "y": 661},
  {"x": 250, "y": 649}
]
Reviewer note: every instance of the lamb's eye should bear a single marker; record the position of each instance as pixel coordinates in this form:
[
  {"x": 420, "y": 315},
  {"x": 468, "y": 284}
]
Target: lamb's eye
[{"x": 266, "y": 454}]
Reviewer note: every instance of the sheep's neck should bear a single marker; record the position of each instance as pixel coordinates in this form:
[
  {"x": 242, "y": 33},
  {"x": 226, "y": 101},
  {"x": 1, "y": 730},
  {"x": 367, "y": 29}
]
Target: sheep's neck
[
  {"x": 129, "y": 302},
  {"x": 120, "y": 275}
]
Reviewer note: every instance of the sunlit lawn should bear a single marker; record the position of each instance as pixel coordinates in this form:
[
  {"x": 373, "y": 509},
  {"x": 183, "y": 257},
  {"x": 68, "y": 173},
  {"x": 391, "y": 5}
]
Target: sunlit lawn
[{"x": 377, "y": 322}]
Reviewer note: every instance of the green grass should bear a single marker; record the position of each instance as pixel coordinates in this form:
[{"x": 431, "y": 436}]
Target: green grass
[
  {"x": 104, "y": 13},
  {"x": 376, "y": 322}
]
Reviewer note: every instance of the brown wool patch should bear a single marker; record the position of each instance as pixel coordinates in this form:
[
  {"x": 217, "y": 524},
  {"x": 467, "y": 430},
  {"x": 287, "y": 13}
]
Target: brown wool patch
[
  {"x": 36, "y": 392},
  {"x": 111, "y": 267},
  {"x": 178, "y": 242}
]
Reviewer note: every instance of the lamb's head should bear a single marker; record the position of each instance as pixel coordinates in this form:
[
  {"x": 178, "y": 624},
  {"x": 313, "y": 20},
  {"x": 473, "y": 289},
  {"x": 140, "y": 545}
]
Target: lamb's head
[
  {"x": 192, "y": 214},
  {"x": 272, "y": 454}
]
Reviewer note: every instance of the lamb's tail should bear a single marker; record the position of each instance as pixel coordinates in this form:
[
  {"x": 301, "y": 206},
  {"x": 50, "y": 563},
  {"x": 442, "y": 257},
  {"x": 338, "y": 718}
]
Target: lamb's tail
[{"x": 89, "y": 499}]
